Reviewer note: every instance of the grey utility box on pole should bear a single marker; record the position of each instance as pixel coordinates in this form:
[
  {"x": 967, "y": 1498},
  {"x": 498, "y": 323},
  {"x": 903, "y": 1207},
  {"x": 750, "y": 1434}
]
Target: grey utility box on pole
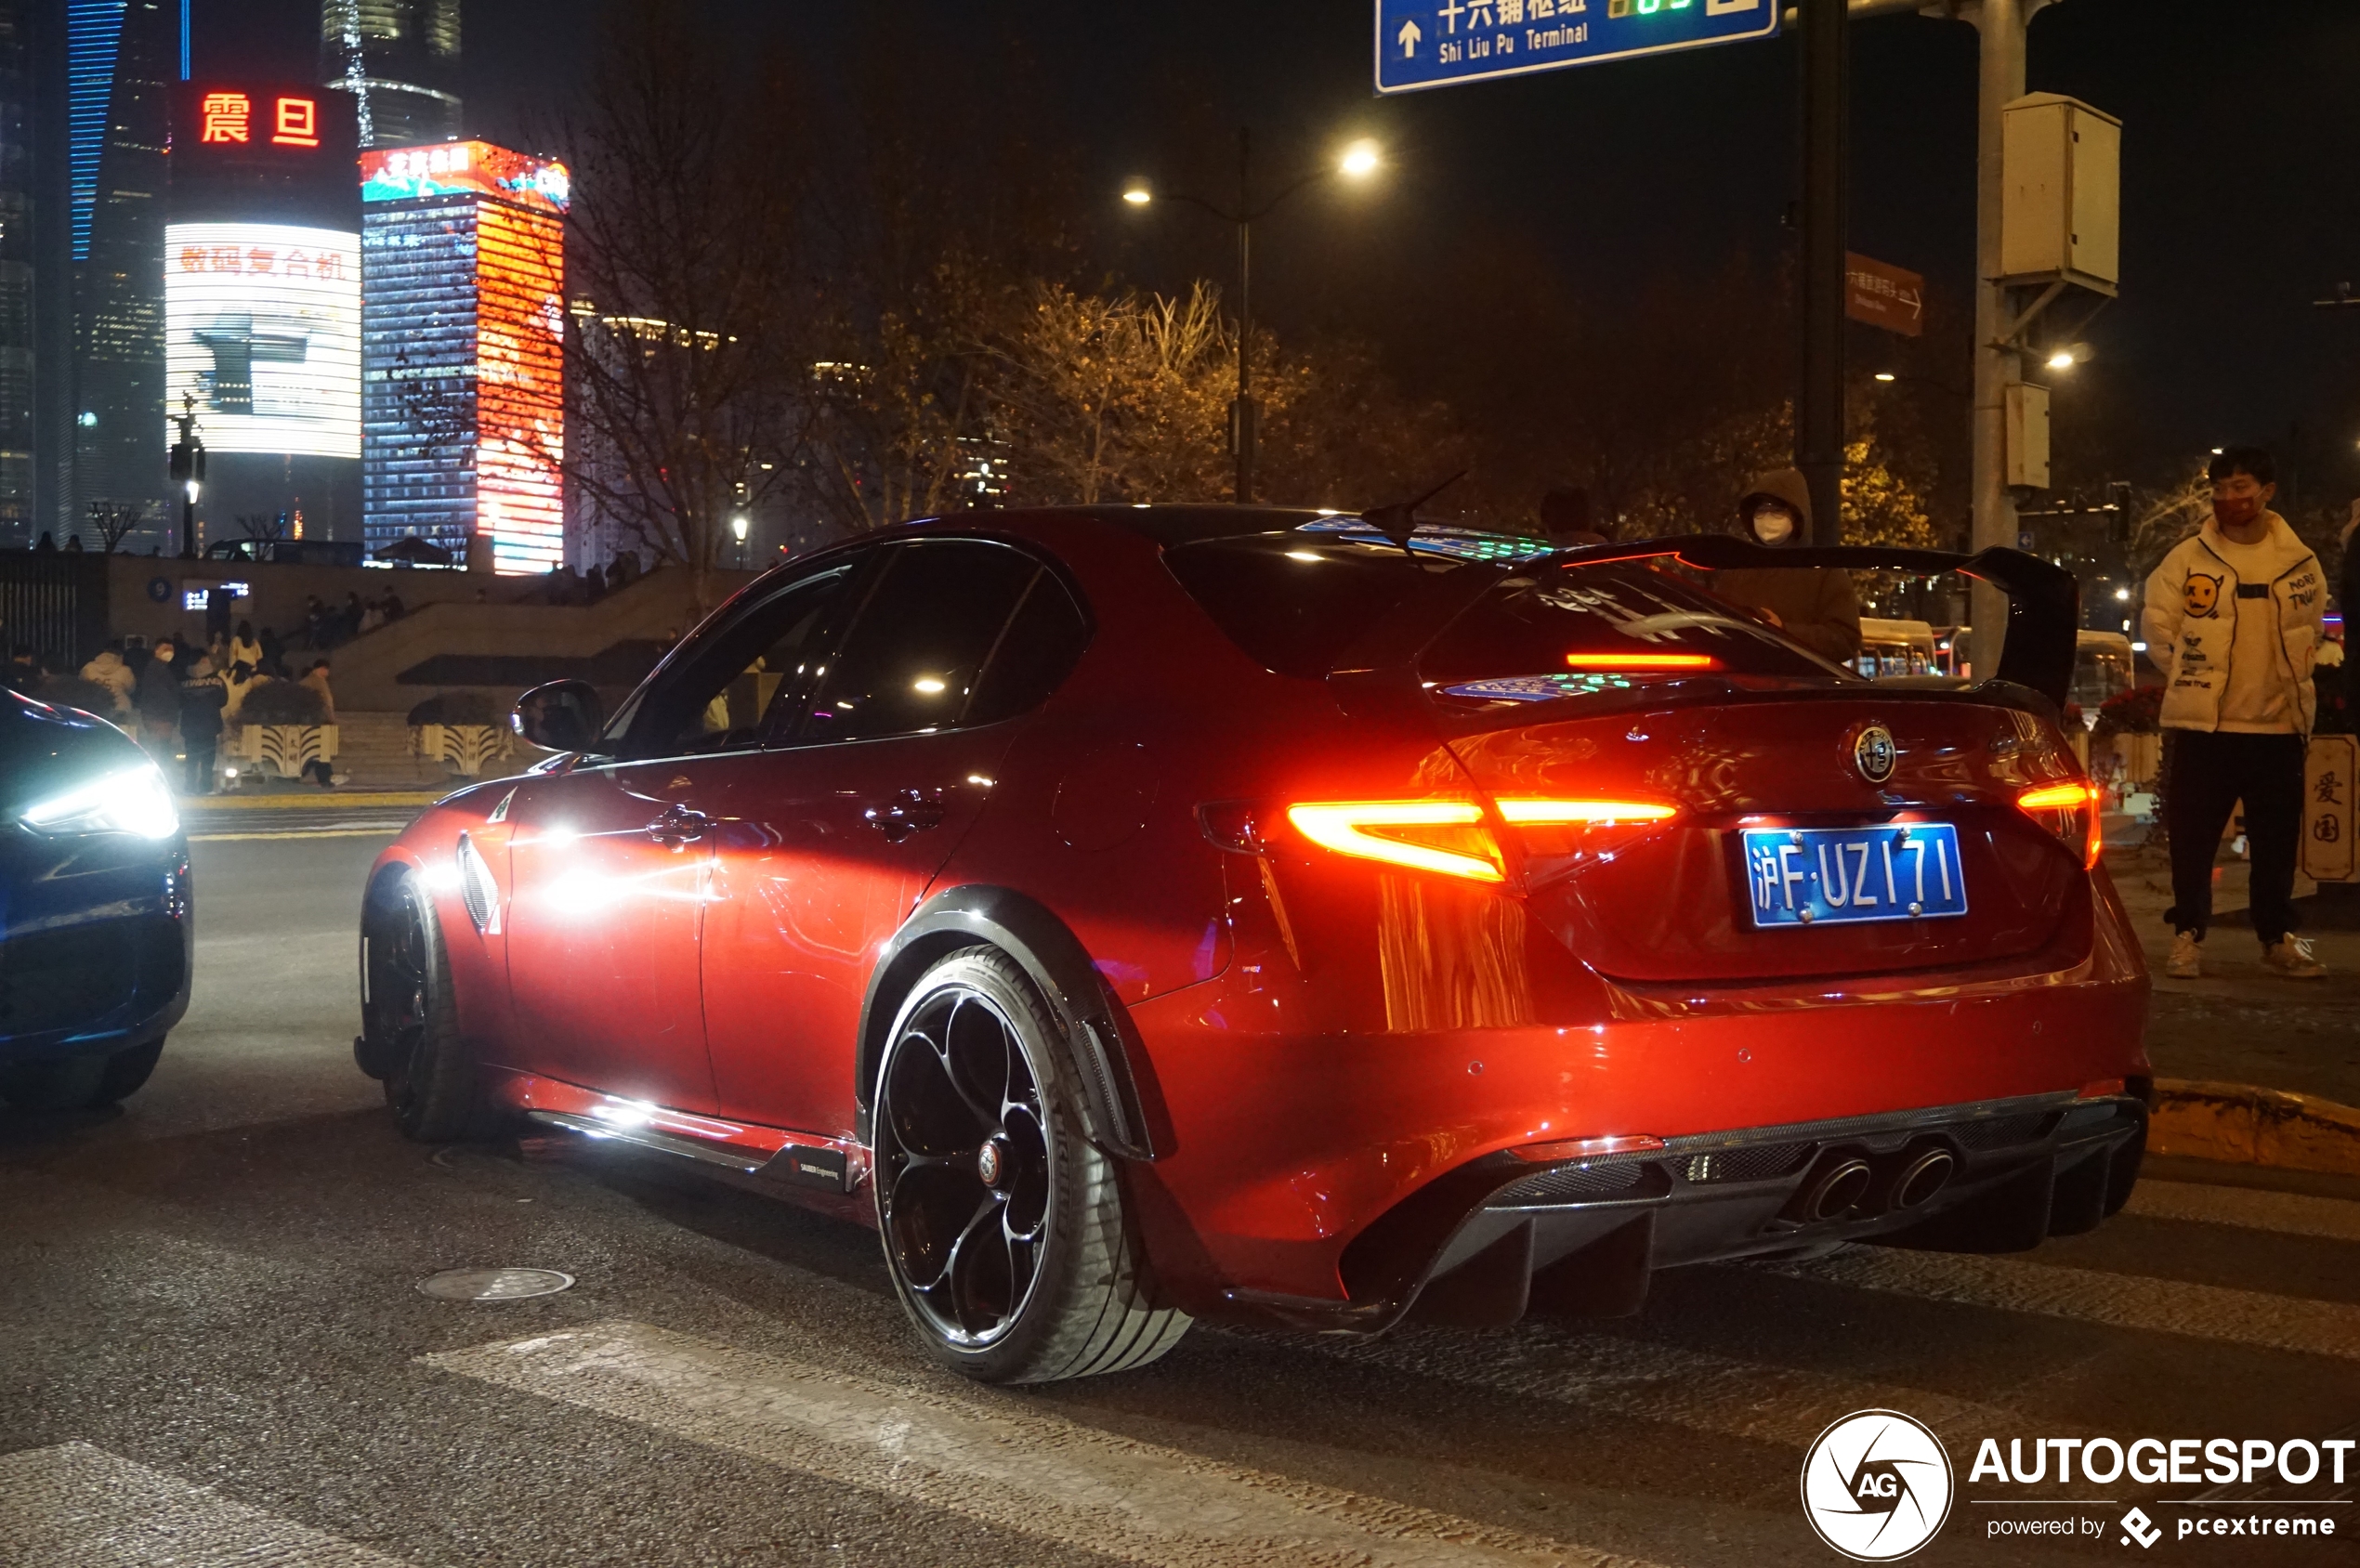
[{"x": 2062, "y": 218}]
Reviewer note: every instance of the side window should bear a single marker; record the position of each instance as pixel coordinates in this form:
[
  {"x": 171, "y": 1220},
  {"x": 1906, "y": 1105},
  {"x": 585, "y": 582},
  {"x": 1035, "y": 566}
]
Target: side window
[
  {"x": 917, "y": 656},
  {"x": 1042, "y": 643},
  {"x": 746, "y": 684}
]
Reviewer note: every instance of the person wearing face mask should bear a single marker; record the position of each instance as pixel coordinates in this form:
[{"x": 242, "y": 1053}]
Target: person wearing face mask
[
  {"x": 2233, "y": 617},
  {"x": 1815, "y": 606}
]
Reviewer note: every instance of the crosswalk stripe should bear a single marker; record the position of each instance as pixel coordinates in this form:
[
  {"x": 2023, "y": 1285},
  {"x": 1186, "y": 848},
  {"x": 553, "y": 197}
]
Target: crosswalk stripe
[
  {"x": 992, "y": 1456},
  {"x": 2138, "y": 1301},
  {"x": 75, "y": 1506},
  {"x": 2251, "y": 1208}
]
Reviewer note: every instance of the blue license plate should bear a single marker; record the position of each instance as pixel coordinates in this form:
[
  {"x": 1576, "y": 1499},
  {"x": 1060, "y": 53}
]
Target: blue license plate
[{"x": 1821, "y": 876}]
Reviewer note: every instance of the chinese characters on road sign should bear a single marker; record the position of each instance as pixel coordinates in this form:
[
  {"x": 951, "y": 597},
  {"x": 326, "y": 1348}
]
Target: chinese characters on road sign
[{"x": 1436, "y": 42}]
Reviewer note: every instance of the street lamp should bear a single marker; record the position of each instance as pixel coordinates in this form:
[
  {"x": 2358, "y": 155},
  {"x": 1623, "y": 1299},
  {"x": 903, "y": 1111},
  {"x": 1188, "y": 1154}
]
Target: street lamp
[
  {"x": 1357, "y": 161},
  {"x": 740, "y": 525},
  {"x": 187, "y": 472}
]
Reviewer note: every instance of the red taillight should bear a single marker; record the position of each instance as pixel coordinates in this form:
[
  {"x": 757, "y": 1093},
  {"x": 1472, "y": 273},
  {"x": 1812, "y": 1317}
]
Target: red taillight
[
  {"x": 1449, "y": 838},
  {"x": 2071, "y": 810},
  {"x": 1641, "y": 661},
  {"x": 1529, "y": 809}
]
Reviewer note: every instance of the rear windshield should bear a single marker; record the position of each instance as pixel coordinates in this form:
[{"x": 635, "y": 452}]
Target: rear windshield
[
  {"x": 1573, "y": 631},
  {"x": 1298, "y": 602}
]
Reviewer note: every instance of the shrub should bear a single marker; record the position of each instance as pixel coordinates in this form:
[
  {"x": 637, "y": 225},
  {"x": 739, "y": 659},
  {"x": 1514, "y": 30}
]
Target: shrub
[
  {"x": 282, "y": 702},
  {"x": 458, "y": 707},
  {"x": 73, "y": 691}
]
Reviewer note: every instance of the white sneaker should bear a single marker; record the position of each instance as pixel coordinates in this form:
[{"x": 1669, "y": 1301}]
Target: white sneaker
[
  {"x": 2186, "y": 962},
  {"x": 2291, "y": 957}
]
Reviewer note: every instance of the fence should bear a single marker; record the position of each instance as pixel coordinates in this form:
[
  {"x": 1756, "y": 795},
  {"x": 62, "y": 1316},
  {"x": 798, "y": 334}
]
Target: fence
[{"x": 54, "y": 603}]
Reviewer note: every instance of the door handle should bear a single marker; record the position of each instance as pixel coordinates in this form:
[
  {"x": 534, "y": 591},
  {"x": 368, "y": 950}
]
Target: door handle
[
  {"x": 678, "y": 824},
  {"x": 905, "y": 812}
]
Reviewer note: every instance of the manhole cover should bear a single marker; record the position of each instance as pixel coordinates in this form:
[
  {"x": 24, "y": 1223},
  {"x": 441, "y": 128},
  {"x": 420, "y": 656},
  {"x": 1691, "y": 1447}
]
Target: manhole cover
[{"x": 493, "y": 1285}]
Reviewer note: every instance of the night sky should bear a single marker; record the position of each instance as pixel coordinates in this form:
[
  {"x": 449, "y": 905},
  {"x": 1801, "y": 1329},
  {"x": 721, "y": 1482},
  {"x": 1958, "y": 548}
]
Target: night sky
[{"x": 2241, "y": 171}]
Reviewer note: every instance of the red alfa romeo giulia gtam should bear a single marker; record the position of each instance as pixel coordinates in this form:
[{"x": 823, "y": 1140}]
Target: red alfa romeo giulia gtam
[{"x": 1140, "y": 914}]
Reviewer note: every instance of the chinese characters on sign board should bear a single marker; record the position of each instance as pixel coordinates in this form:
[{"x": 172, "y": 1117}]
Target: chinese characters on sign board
[
  {"x": 262, "y": 328},
  {"x": 226, "y": 117},
  {"x": 1883, "y": 295},
  {"x": 2331, "y": 769}
]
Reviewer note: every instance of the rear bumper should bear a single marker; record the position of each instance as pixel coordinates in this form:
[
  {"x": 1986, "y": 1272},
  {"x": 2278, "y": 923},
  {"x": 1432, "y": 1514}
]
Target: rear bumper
[
  {"x": 1475, "y": 1246},
  {"x": 1287, "y": 1149}
]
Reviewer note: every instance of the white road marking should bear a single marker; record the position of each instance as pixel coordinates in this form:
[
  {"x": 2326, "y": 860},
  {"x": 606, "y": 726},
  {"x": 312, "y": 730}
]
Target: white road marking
[
  {"x": 74, "y": 1506},
  {"x": 2251, "y": 1208},
  {"x": 992, "y": 1456},
  {"x": 2157, "y": 1306}
]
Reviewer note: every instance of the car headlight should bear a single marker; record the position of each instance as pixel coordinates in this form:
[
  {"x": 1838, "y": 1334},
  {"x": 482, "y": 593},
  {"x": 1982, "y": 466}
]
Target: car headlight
[{"x": 134, "y": 800}]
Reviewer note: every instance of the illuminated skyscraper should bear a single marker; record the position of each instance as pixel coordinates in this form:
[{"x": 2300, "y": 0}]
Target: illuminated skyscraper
[
  {"x": 463, "y": 350},
  {"x": 122, "y": 59},
  {"x": 400, "y": 61},
  {"x": 17, "y": 256}
]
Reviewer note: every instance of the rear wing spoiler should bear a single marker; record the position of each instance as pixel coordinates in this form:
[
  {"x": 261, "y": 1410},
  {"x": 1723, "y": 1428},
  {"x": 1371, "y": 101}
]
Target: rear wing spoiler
[{"x": 2044, "y": 602}]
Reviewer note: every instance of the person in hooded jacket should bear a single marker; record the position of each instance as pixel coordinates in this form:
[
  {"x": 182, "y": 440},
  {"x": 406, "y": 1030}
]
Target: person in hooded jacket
[
  {"x": 202, "y": 696},
  {"x": 2233, "y": 617},
  {"x": 1815, "y": 606}
]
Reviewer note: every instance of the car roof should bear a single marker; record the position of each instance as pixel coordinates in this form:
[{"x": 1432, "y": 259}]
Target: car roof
[{"x": 1165, "y": 525}]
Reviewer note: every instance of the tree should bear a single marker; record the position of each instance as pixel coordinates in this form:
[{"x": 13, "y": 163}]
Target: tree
[
  {"x": 685, "y": 357},
  {"x": 111, "y": 520}
]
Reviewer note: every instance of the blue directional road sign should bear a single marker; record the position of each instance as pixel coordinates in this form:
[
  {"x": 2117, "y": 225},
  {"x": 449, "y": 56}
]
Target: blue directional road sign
[{"x": 1440, "y": 42}]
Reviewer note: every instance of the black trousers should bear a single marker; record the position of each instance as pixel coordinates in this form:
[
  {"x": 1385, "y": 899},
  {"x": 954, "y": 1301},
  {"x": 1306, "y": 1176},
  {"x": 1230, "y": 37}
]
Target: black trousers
[
  {"x": 200, "y": 750},
  {"x": 2210, "y": 772}
]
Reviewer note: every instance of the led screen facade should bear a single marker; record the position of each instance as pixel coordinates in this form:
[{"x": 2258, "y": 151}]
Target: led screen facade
[
  {"x": 262, "y": 334},
  {"x": 463, "y": 351}
]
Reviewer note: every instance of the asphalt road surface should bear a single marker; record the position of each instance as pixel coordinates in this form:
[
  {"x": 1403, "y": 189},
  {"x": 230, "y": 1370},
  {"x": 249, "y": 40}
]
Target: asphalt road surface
[{"x": 214, "y": 1350}]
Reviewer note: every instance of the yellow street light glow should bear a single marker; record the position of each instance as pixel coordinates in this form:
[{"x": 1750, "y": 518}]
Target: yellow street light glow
[
  {"x": 1359, "y": 159},
  {"x": 1887, "y": 375},
  {"x": 2062, "y": 359},
  {"x": 1138, "y": 195},
  {"x": 928, "y": 685}
]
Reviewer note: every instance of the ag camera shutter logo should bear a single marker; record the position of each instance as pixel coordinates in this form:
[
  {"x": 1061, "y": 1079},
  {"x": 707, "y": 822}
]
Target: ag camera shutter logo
[{"x": 1877, "y": 1485}]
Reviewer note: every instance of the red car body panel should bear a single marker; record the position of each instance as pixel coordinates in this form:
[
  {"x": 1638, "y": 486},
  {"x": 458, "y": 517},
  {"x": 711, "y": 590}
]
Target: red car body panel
[{"x": 1312, "y": 1039}]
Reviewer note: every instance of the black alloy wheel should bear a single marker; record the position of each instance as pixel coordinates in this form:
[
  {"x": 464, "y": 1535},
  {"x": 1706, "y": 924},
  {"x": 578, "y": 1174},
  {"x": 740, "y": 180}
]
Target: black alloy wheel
[
  {"x": 1003, "y": 1226},
  {"x": 409, "y": 1034},
  {"x": 963, "y": 1154}
]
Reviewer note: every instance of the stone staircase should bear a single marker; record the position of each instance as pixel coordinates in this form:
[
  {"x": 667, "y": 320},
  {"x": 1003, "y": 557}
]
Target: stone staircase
[{"x": 373, "y": 751}]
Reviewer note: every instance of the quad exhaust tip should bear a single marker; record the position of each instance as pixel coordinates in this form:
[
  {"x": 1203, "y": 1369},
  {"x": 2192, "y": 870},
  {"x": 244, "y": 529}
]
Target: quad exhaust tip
[
  {"x": 1838, "y": 1190},
  {"x": 1923, "y": 1177}
]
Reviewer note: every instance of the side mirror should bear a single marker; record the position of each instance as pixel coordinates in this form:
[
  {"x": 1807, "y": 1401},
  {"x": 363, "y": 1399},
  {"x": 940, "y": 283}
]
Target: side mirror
[{"x": 560, "y": 716}]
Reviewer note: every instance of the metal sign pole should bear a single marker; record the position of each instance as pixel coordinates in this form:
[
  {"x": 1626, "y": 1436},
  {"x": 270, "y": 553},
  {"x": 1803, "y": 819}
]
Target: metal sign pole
[
  {"x": 1819, "y": 410},
  {"x": 1996, "y": 365}
]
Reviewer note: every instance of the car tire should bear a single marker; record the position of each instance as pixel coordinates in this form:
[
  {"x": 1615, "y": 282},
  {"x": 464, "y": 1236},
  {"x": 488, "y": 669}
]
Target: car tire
[
  {"x": 432, "y": 1082},
  {"x": 1022, "y": 1265}
]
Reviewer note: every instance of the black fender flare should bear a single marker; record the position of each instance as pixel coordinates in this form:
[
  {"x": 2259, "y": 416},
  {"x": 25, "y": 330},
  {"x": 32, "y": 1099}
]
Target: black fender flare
[{"x": 1103, "y": 1044}]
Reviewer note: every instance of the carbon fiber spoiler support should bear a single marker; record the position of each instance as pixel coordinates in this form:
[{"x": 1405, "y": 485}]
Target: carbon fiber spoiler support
[{"x": 2044, "y": 602}]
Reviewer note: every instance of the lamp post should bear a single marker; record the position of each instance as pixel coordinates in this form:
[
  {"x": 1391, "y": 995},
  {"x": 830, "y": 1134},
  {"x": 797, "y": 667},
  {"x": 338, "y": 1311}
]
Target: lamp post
[
  {"x": 740, "y": 526},
  {"x": 1359, "y": 161},
  {"x": 187, "y": 472}
]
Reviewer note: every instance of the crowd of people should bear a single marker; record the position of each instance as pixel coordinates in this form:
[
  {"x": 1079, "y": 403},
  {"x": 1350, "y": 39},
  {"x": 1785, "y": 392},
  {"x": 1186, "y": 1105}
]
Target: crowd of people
[{"x": 178, "y": 697}]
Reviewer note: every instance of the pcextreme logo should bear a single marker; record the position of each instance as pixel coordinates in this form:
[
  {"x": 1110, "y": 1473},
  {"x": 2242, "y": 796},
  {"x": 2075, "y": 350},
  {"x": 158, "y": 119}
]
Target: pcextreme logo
[{"x": 1877, "y": 1485}]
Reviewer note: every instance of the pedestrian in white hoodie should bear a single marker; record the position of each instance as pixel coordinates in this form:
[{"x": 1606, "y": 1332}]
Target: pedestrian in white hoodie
[{"x": 2233, "y": 617}]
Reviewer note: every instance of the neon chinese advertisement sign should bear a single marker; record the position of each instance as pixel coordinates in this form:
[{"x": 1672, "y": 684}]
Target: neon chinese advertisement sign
[{"x": 465, "y": 168}]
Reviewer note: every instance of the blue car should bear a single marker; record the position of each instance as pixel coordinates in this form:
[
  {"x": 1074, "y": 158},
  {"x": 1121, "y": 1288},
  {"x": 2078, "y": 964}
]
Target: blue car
[{"x": 96, "y": 927}]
